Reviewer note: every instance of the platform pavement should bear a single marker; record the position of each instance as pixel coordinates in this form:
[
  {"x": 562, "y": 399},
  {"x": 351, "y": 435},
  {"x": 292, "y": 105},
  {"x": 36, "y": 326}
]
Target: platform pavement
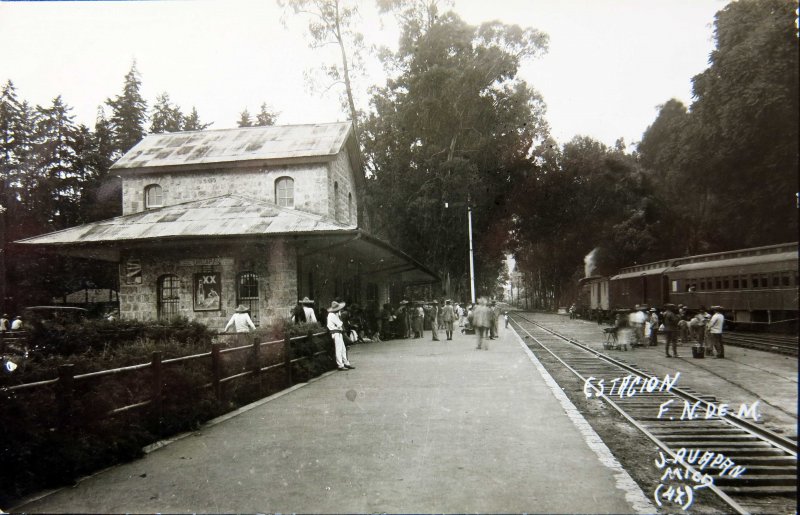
[{"x": 419, "y": 426}]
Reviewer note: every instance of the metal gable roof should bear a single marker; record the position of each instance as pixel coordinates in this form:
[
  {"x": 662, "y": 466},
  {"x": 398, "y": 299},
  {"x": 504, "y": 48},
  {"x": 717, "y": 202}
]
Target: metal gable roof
[
  {"x": 226, "y": 215},
  {"x": 322, "y": 140}
]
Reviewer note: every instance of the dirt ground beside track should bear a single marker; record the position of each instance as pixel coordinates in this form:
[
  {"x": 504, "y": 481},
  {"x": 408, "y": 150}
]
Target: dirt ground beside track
[
  {"x": 635, "y": 452},
  {"x": 743, "y": 377}
]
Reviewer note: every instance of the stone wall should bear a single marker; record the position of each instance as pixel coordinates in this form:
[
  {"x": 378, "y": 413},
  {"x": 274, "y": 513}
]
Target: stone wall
[
  {"x": 310, "y": 183},
  {"x": 274, "y": 262},
  {"x": 341, "y": 172}
]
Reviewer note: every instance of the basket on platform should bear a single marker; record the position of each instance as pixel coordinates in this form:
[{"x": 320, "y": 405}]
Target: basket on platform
[{"x": 698, "y": 351}]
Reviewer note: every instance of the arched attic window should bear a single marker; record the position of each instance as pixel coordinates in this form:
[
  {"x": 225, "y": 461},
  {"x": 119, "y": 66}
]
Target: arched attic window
[
  {"x": 153, "y": 196},
  {"x": 284, "y": 191}
]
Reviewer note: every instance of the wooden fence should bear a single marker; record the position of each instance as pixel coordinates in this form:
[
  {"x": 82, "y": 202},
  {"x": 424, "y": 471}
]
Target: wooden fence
[
  {"x": 13, "y": 342},
  {"x": 65, "y": 384}
]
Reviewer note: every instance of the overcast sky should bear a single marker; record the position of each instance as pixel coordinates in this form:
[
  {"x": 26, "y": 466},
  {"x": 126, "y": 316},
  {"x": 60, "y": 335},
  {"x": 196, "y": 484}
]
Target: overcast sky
[{"x": 610, "y": 63}]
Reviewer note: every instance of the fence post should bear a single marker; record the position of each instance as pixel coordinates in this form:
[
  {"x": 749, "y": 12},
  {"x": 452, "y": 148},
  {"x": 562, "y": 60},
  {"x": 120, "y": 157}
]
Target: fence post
[
  {"x": 157, "y": 385},
  {"x": 64, "y": 394},
  {"x": 255, "y": 355},
  {"x": 287, "y": 359},
  {"x": 257, "y": 363},
  {"x": 310, "y": 342},
  {"x": 216, "y": 370}
]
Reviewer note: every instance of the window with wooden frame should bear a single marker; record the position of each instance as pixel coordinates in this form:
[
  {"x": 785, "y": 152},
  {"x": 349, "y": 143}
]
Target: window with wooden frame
[
  {"x": 153, "y": 196},
  {"x": 284, "y": 191}
]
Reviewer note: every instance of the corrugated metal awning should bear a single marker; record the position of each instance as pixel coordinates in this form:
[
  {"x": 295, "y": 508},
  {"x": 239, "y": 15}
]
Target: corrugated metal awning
[
  {"x": 221, "y": 218},
  {"x": 226, "y": 215}
]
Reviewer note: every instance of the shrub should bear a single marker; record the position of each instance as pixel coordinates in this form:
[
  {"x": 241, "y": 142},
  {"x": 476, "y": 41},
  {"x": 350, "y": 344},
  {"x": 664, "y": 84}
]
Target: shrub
[{"x": 47, "y": 338}]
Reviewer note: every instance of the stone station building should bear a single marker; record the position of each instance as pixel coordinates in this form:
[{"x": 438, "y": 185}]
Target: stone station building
[{"x": 260, "y": 216}]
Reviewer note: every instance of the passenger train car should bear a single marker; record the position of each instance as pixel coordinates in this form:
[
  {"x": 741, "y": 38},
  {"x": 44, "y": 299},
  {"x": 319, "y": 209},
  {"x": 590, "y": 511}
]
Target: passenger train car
[{"x": 756, "y": 286}]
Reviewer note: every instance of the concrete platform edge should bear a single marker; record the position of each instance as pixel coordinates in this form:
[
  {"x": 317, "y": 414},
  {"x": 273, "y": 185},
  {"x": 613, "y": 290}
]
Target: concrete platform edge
[{"x": 624, "y": 482}]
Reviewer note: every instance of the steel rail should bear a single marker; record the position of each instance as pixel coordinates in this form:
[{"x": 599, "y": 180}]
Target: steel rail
[
  {"x": 774, "y": 439},
  {"x": 714, "y": 488}
]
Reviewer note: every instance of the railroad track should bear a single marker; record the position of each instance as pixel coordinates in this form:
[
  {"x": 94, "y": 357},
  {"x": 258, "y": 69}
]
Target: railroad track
[
  {"x": 781, "y": 344},
  {"x": 769, "y": 460}
]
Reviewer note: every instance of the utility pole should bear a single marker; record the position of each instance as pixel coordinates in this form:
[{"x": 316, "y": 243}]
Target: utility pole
[
  {"x": 3, "y": 290},
  {"x": 471, "y": 259}
]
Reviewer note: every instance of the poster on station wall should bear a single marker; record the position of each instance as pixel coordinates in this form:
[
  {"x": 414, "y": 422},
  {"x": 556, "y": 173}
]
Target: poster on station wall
[
  {"x": 133, "y": 271},
  {"x": 207, "y": 291}
]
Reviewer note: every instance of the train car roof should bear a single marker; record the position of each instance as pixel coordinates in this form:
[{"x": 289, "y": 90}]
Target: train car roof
[
  {"x": 738, "y": 257},
  {"x": 641, "y": 272},
  {"x": 681, "y": 265}
]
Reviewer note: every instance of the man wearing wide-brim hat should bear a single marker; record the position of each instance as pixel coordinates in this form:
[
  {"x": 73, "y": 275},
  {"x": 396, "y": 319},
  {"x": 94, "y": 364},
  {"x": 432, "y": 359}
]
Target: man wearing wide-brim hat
[
  {"x": 305, "y": 311},
  {"x": 714, "y": 330},
  {"x": 241, "y": 323},
  {"x": 336, "y": 328}
]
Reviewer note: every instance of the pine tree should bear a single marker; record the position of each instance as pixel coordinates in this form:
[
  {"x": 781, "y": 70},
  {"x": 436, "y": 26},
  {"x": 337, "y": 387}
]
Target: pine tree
[
  {"x": 59, "y": 172},
  {"x": 10, "y": 138},
  {"x": 166, "y": 117},
  {"x": 23, "y": 176},
  {"x": 128, "y": 114},
  {"x": 244, "y": 119},
  {"x": 193, "y": 123},
  {"x": 265, "y": 116},
  {"x": 101, "y": 193},
  {"x": 10, "y": 117}
]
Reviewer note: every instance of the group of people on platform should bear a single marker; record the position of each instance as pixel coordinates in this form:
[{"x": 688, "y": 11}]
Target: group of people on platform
[
  {"x": 8, "y": 324},
  {"x": 703, "y": 327},
  {"x": 350, "y": 323},
  {"x": 408, "y": 319}
]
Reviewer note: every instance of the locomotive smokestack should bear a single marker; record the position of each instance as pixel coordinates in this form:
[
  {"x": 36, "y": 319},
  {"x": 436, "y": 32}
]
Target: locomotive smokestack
[{"x": 589, "y": 263}]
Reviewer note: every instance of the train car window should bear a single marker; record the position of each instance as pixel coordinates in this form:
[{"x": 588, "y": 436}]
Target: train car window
[
  {"x": 702, "y": 284},
  {"x": 725, "y": 283},
  {"x": 776, "y": 280},
  {"x": 786, "y": 280},
  {"x": 674, "y": 286},
  {"x": 736, "y": 283},
  {"x": 764, "y": 281},
  {"x": 718, "y": 281},
  {"x": 744, "y": 282}
]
